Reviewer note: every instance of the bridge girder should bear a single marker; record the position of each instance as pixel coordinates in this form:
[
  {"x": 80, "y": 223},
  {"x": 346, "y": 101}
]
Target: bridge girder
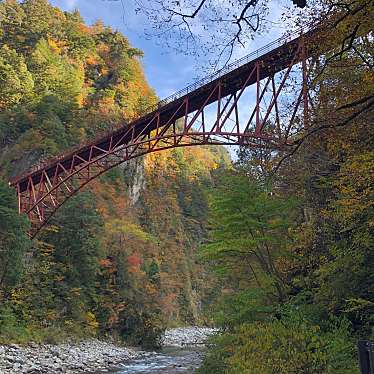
[{"x": 215, "y": 113}]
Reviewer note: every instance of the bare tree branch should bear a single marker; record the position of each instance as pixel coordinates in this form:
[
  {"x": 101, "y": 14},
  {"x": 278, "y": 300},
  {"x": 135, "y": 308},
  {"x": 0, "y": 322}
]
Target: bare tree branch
[
  {"x": 348, "y": 120},
  {"x": 193, "y": 15}
]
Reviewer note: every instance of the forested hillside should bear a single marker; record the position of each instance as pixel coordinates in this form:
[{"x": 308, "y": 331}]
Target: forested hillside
[{"x": 119, "y": 258}]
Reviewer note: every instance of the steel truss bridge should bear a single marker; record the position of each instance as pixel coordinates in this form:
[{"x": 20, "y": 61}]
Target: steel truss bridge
[{"x": 240, "y": 105}]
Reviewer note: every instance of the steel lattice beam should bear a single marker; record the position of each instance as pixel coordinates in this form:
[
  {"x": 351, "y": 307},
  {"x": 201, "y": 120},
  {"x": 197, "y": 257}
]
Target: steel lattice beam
[{"x": 42, "y": 191}]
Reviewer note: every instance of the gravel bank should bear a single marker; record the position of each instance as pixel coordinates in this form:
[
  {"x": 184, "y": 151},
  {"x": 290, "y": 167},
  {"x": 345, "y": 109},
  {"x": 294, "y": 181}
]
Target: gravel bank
[
  {"x": 87, "y": 357},
  {"x": 187, "y": 336}
]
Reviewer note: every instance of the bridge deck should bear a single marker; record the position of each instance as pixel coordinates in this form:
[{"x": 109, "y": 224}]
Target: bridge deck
[{"x": 274, "y": 57}]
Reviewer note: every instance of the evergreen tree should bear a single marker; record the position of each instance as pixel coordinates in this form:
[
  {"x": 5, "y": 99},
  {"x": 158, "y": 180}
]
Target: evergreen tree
[
  {"x": 249, "y": 233},
  {"x": 76, "y": 256},
  {"x": 14, "y": 241},
  {"x": 16, "y": 82}
]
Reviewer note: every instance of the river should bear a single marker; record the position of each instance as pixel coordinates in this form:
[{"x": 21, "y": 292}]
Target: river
[{"x": 170, "y": 360}]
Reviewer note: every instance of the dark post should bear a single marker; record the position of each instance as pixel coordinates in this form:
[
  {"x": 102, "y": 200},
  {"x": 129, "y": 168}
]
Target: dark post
[{"x": 366, "y": 356}]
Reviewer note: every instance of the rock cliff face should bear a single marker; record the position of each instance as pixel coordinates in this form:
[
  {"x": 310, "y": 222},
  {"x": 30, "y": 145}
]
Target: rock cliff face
[{"x": 134, "y": 176}]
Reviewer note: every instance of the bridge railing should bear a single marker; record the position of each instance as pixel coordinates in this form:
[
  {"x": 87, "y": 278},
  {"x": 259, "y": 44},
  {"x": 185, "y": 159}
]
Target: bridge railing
[{"x": 227, "y": 69}]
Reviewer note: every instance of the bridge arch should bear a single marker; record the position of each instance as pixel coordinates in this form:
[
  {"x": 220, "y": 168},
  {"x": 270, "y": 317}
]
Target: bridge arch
[{"x": 239, "y": 105}]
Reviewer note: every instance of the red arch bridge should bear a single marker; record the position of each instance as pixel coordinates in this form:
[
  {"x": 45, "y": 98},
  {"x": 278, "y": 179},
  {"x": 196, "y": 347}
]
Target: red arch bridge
[{"x": 242, "y": 104}]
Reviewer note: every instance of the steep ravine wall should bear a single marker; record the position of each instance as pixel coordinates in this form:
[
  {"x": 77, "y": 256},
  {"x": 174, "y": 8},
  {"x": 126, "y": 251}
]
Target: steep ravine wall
[{"x": 169, "y": 193}]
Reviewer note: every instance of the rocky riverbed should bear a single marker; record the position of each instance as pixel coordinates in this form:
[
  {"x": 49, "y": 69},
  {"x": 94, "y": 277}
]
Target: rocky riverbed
[
  {"x": 88, "y": 356},
  {"x": 187, "y": 336}
]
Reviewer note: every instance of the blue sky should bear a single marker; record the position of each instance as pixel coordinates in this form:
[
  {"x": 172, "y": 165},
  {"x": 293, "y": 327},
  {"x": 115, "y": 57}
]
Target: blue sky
[{"x": 166, "y": 70}]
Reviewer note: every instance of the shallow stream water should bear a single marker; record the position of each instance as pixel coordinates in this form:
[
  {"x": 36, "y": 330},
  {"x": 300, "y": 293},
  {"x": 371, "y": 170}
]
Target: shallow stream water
[{"x": 169, "y": 360}]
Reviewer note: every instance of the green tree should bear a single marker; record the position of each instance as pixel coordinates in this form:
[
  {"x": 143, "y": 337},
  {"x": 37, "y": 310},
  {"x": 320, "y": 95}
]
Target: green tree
[
  {"x": 11, "y": 18},
  {"x": 14, "y": 241},
  {"x": 54, "y": 74},
  {"x": 249, "y": 234},
  {"x": 16, "y": 82}
]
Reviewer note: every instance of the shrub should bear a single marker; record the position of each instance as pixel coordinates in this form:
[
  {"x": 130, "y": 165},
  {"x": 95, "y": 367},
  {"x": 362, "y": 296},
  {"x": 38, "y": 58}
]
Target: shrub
[{"x": 278, "y": 347}]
